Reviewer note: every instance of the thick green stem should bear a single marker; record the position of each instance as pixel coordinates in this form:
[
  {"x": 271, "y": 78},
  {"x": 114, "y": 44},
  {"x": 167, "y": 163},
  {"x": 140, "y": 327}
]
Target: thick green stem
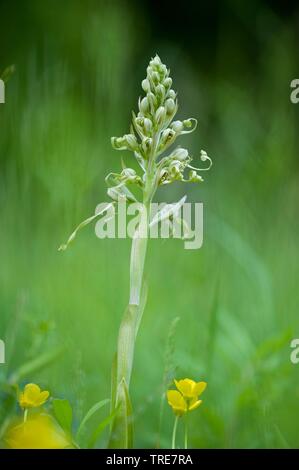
[{"x": 132, "y": 317}]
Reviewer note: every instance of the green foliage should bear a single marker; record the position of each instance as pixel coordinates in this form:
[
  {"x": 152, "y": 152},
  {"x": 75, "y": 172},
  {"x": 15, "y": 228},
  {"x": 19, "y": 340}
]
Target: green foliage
[{"x": 63, "y": 413}]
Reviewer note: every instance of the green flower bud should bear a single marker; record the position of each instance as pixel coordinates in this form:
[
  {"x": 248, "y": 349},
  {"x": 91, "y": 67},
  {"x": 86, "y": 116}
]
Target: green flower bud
[
  {"x": 160, "y": 92},
  {"x": 162, "y": 69},
  {"x": 156, "y": 61},
  {"x": 203, "y": 155},
  {"x": 131, "y": 142},
  {"x": 118, "y": 143},
  {"x": 170, "y": 106},
  {"x": 152, "y": 101},
  {"x": 175, "y": 169},
  {"x": 144, "y": 105},
  {"x": 172, "y": 94},
  {"x": 115, "y": 194},
  {"x": 128, "y": 172},
  {"x": 154, "y": 77},
  {"x": 146, "y": 86},
  {"x": 194, "y": 177},
  {"x": 167, "y": 83},
  {"x": 163, "y": 176},
  {"x": 146, "y": 145},
  {"x": 187, "y": 123},
  {"x": 147, "y": 126},
  {"x": 139, "y": 121},
  {"x": 180, "y": 154},
  {"x": 160, "y": 115},
  {"x": 167, "y": 137},
  {"x": 177, "y": 126}
]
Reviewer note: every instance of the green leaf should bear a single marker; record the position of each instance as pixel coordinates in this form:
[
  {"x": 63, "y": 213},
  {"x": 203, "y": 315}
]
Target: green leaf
[
  {"x": 83, "y": 224},
  {"x": 121, "y": 436},
  {"x": 126, "y": 344},
  {"x": 113, "y": 381},
  {"x": 63, "y": 413},
  {"x": 138, "y": 252},
  {"x": 90, "y": 413},
  {"x": 98, "y": 431},
  {"x": 169, "y": 210}
]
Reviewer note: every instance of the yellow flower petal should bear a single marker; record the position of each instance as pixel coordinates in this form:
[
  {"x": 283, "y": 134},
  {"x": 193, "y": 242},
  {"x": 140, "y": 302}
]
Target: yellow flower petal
[
  {"x": 177, "y": 402},
  {"x": 43, "y": 397},
  {"x": 32, "y": 396},
  {"x": 31, "y": 392},
  {"x": 186, "y": 387},
  {"x": 199, "y": 388},
  {"x": 38, "y": 432},
  {"x": 194, "y": 404}
]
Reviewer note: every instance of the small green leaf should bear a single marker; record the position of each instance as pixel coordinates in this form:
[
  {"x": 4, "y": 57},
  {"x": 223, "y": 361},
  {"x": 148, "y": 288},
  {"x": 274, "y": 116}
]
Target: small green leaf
[
  {"x": 121, "y": 436},
  {"x": 63, "y": 413},
  {"x": 98, "y": 431},
  {"x": 90, "y": 413},
  {"x": 83, "y": 224},
  {"x": 113, "y": 381}
]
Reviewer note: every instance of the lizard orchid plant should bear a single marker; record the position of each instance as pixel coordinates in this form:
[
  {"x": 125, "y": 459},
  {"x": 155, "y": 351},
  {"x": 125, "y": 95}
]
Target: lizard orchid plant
[{"x": 152, "y": 135}]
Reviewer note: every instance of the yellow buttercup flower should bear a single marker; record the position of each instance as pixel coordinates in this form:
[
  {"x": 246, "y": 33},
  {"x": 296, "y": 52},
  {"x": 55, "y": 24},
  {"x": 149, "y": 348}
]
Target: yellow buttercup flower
[
  {"x": 40, "y": 431},
  {"x": 189, "y": 388},
  {"x": 32, "y": 396},
  {"x": 177, "y": 402},
  {"x": 185, "y": 398}
]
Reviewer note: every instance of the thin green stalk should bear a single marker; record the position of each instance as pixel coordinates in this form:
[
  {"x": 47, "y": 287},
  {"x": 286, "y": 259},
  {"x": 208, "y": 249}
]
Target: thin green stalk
[
  {"x": 174, "y": 432},
  {"x": 186, "y": 432}
]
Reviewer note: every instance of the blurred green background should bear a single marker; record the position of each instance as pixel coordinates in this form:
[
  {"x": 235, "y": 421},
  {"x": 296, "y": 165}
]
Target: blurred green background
[{"x": 78, "y": 68}]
